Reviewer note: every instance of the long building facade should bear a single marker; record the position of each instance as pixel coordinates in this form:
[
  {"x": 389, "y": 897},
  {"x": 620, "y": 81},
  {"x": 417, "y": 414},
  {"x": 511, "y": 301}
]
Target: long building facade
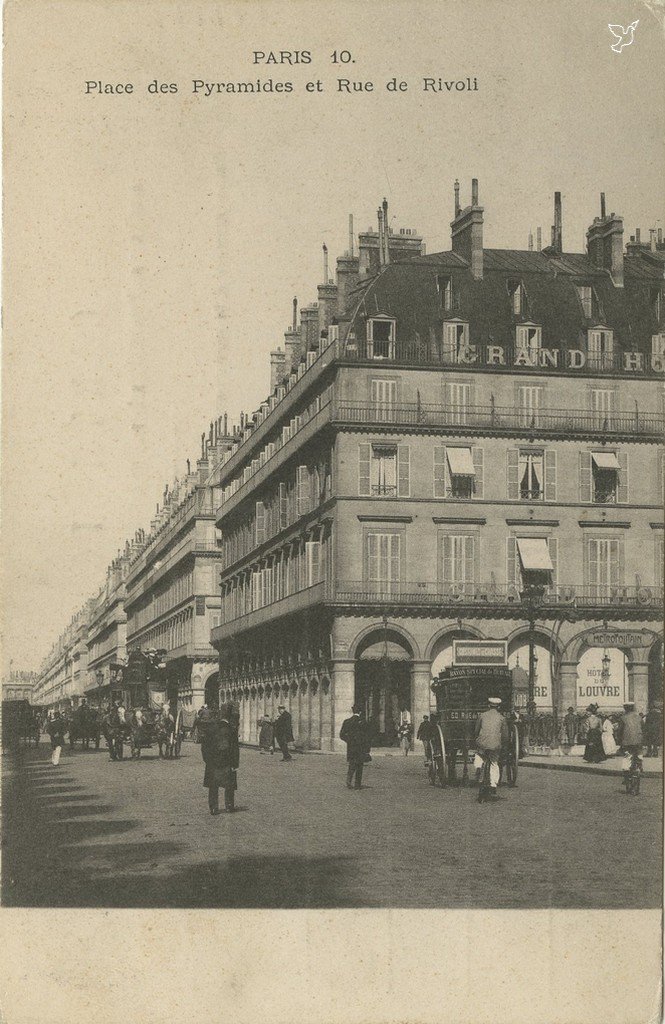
[{"x": 467, "y": 444}]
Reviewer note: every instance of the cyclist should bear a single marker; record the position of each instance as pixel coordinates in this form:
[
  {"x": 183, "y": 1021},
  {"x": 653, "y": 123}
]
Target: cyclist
[
  {"x": 629, "y": 738},
  {"x": 491, "y": 735}
]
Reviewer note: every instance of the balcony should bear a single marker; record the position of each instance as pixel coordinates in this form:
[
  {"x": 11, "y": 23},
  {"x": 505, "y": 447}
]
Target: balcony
[
  {"x": 502, "y": 420},
  {"x": 558, "y": 600},
  {"x": 302, "y": 599}
]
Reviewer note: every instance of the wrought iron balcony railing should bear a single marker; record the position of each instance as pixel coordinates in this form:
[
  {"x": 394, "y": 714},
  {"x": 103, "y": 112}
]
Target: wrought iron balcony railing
[{"x": 502, "y": 419}]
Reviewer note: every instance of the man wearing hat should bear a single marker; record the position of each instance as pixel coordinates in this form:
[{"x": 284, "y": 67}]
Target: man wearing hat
[
  {"x": 284, "y": 732},
  {"x": 491, "y": 735},
  {"x": 221, "y": 754},
  {"x": 355, "y": 733},
  {"x": 629, "y": 737}
]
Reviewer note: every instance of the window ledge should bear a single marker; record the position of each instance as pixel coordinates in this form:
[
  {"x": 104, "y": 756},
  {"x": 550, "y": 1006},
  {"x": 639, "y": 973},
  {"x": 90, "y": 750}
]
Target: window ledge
[
  {"x": 531, "y": 521},
  {"x": 385, "y": 519},
  {"x": 471, "y": 520},
  {"x": 616, "y": 524}
]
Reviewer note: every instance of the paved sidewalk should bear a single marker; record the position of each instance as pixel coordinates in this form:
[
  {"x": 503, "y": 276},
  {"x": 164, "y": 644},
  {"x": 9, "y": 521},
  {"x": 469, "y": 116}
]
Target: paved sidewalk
[{"x": 652, "y": 766}]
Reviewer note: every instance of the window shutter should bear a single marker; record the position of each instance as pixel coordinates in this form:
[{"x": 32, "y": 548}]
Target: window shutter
[
  {"x": 512, "y": 474},
  {"x": 395, "y": 552},
  {"x": 511, "y": 562},
  {"x": 553, "y": 546},
  {"x": 550, "y": 475},
  {"x": 478, "y": 460},
  {"x": 439, "y": 471},
  {"x": 619, "y": 563},
  {"x": 403, "y": 471},
  {"x": 623, "y": 478},
  {"x": 313, "y": 562},
  {"x": 364, "y": 454},
  {"x": 585, "y": 476},
  {"x": 592, "y": 562},
  {"x": 283, "y": 507},
  {"x": 260, "y": 534},
  {"x": 303, "y": 495},
  {"x": 447, "y": 559},
  {"x": 469, "y": 566},
  {"x": 372, "y": 556}
]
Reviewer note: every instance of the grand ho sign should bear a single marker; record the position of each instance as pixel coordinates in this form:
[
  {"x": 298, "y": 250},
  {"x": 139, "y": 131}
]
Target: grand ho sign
[{"x": 553, "y": 358}]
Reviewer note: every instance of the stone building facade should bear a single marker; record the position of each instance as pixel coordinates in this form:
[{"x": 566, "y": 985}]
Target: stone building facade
[{"x": 463, "y": 444}]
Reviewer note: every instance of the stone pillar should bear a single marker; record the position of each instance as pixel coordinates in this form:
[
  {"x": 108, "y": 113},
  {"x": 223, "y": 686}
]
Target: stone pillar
[
  {"x": 567, "y": 687},
  {"x": 326, "y": 715},
  {"x": 343, "y": 695},
  {"x": 315, "y": 697},
  {"x": 420, "y": 693},
  {"x": 638, "y": 679}
]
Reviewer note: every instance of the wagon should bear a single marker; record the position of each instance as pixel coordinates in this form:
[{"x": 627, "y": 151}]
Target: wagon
[{"x": 461, "y": 695}]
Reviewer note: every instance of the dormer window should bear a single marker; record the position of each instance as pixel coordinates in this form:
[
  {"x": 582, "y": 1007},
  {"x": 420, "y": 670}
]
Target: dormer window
[
  {"x": 381, "y": 338},
  {"x": 656, "y": 303},
  {"x": 600, "y": 349},
  {"x": 589, "y": 301},
  {"x": 658, "y": 352},
  {"x": 517, "y": 298},
  {"x": 455, "y": 340},
  {"x": 529, "y": 339}
]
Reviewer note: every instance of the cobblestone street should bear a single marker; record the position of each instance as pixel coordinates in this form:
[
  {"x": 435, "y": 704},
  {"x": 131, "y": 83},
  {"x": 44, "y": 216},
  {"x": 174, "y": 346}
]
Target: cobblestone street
[{"x": 138, "y": 834}]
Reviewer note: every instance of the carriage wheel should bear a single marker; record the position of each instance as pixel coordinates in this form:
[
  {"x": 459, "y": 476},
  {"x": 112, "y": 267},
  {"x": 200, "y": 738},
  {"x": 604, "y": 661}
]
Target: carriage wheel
[
  {"x": 513, "y": 755},
  {"x": 439, "y": 762}
]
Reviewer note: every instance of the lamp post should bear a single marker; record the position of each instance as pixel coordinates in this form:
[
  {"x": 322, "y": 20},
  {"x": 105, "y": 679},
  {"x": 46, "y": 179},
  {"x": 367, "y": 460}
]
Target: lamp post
[{"x": 531, "y": 596}]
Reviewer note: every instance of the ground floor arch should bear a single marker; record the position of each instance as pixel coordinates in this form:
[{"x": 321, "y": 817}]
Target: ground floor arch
[{"x": 383, "y": 673}]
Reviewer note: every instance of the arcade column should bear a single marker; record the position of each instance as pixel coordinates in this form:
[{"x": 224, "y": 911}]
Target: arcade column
[
  {"x": 638, "y": 678},
  {"x": 343, "y": 696},
  {"x": 421, "y": 678},
  {"x": 567, "y": 686}
]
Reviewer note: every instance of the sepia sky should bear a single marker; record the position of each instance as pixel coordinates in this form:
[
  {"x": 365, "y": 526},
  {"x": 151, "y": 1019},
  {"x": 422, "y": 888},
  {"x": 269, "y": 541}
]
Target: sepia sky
[{"x": 153, "y": 244}]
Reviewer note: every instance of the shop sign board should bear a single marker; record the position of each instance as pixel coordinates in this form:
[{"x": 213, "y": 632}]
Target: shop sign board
[
  {"x": 480, "y": 652},
  {"x": 619, "y": 638}
]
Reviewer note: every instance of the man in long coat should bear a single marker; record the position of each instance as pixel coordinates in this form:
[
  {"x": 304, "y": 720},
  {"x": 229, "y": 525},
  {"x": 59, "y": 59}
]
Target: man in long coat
[
  {"x": 284, "y": 732},
  {"x": 629, "y": 737},
  {"x": 221, "y": 753},
  {"x": 355, "y": 733},
  {"x": 491, "y": 735}
]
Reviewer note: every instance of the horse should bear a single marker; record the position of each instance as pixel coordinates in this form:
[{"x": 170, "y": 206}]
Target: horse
[
  {"x": 85, "y": 726},
  {"x": 165, "y": 736}
]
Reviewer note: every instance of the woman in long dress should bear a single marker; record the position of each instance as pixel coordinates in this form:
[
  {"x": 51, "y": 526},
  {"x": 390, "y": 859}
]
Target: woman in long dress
[
  {"x": 609, "y": 746},
  {"x": 593, "y": 751}
]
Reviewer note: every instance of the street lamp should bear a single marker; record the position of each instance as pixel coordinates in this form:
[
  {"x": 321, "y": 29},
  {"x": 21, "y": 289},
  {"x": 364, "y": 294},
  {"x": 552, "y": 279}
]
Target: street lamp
[{"x": 531, "y": 597}]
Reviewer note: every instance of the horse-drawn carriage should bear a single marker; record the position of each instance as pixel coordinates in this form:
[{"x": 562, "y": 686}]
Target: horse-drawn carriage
[
  {"x": 85, "y": 724},
  {"x": 20, "y": 724},
  {"x": 462, "y": 693}
]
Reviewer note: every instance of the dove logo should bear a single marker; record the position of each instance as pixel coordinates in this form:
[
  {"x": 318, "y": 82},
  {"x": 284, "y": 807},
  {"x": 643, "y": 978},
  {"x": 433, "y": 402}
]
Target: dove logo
[{"x": 623, "y": 36}]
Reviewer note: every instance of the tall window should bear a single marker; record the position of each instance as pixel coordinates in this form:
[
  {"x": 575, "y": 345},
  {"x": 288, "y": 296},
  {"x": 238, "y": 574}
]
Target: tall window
[
  {"x": 605, "y": 470},
  {"x": 656, "y": 302},
  {"x": 383, "y": 562},
  {"x": 458, "y": 562},
  {"x": 381, "y": 339},
  {"x": 603, "y": 565},
  {"x": 313, "y": 562},
  {"x": 455, "y": 340},
  {"x": 383, "y": 469},
  {"x": 458, "y": 472},
  {"x": 444, "y": 284},
  {"x": 588, "y": 300},
  {"x": 602, "y": 406},
  {"x": 528, "y": 342},
  {"x": 658, "y": 352},
  {"x": 383, "y": 394},
  {"x": 600, "y": 355},
  {"x": 458, "y": 399},
  {"x": 531, "y": 475},
  {"x": 529, "y": 404}
]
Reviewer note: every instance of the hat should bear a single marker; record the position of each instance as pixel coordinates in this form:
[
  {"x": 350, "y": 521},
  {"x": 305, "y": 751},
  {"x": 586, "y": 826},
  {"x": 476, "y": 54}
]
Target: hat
[
  {"x": 494, "y": 701},
  {"x": 592, "y": 707},
  {"x": 280, "y": 707},
  {"x": 629, "y": 704},
  {"x": 571, "y": 709},
  {"x": 357, "y": 709}
]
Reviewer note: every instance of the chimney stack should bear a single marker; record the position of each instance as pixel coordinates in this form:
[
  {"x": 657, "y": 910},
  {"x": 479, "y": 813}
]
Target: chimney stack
[
  {"x": 467, "y": 232},
  {"x": 539, "y": 239},
  {"x": 325, "y": 263},
  {"x": 294, "y": 322},
  {"x": 278, "y": 369},
  {"x": 350, "y": 234},
  {"x": 602, "y": 205},
  {"x": 457, "y": 206},
  {"x": 652, "y": 239},
  {"x": 558, "y": 228},
  {"x": 605, "y": 243},
  {"x": 637, "y": 235},
  {"x": 386, "y": 233},
  {"x": 531, "y": 241}
]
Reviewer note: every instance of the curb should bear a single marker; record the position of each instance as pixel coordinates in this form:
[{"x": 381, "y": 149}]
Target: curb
[{"x": 586, "y": 769}]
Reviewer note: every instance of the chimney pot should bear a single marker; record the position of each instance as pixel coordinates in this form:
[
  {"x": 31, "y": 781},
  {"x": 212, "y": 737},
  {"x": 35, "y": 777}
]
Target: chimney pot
[
  {"x": 474, "y": 191},
  {"x": 539, "y": 239},
  {"x": 558, "y": 230},
  {"x": 456, "y": 196},
  {"x": 637, "y": 234},
  {"x": 602, "y": 205}
]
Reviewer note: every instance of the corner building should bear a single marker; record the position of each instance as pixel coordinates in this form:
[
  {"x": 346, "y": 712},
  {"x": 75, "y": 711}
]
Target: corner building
[{"x": 461, "y": 425}]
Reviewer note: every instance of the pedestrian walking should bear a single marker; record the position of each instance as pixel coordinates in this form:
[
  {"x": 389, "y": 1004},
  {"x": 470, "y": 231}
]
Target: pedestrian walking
[
  {"x": 404, "y": 734},
  {"x": 221, "y": 754},
  {"x": 423, "y": 734},
  {"x": 56, "y": 730},
  {"x": 570, "y": 726},
  {"x": 653, "y": 730},
  {"x": 355, "y": 733},
  {"x": 593, "y": 751},
  {"x": 283, "y": 730},
  {"x": 491, "y": 736},
  {"x": 607, "y": 736},
  {"x": 630, "y": 737},
  {"x": 266, "y": 735}
]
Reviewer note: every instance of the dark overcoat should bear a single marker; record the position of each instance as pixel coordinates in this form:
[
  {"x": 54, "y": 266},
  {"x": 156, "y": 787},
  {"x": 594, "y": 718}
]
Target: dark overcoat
[
  {"x": 355, "y": 733},
  {"x": 221, "y": 753},
  {"x": 284, "y": 728}
]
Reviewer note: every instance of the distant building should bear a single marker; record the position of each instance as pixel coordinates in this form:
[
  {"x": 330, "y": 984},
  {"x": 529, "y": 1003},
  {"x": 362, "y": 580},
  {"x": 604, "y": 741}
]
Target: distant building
[
  {"x": 445, "y": 432},
  {"x": 19, "y": 685}
]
